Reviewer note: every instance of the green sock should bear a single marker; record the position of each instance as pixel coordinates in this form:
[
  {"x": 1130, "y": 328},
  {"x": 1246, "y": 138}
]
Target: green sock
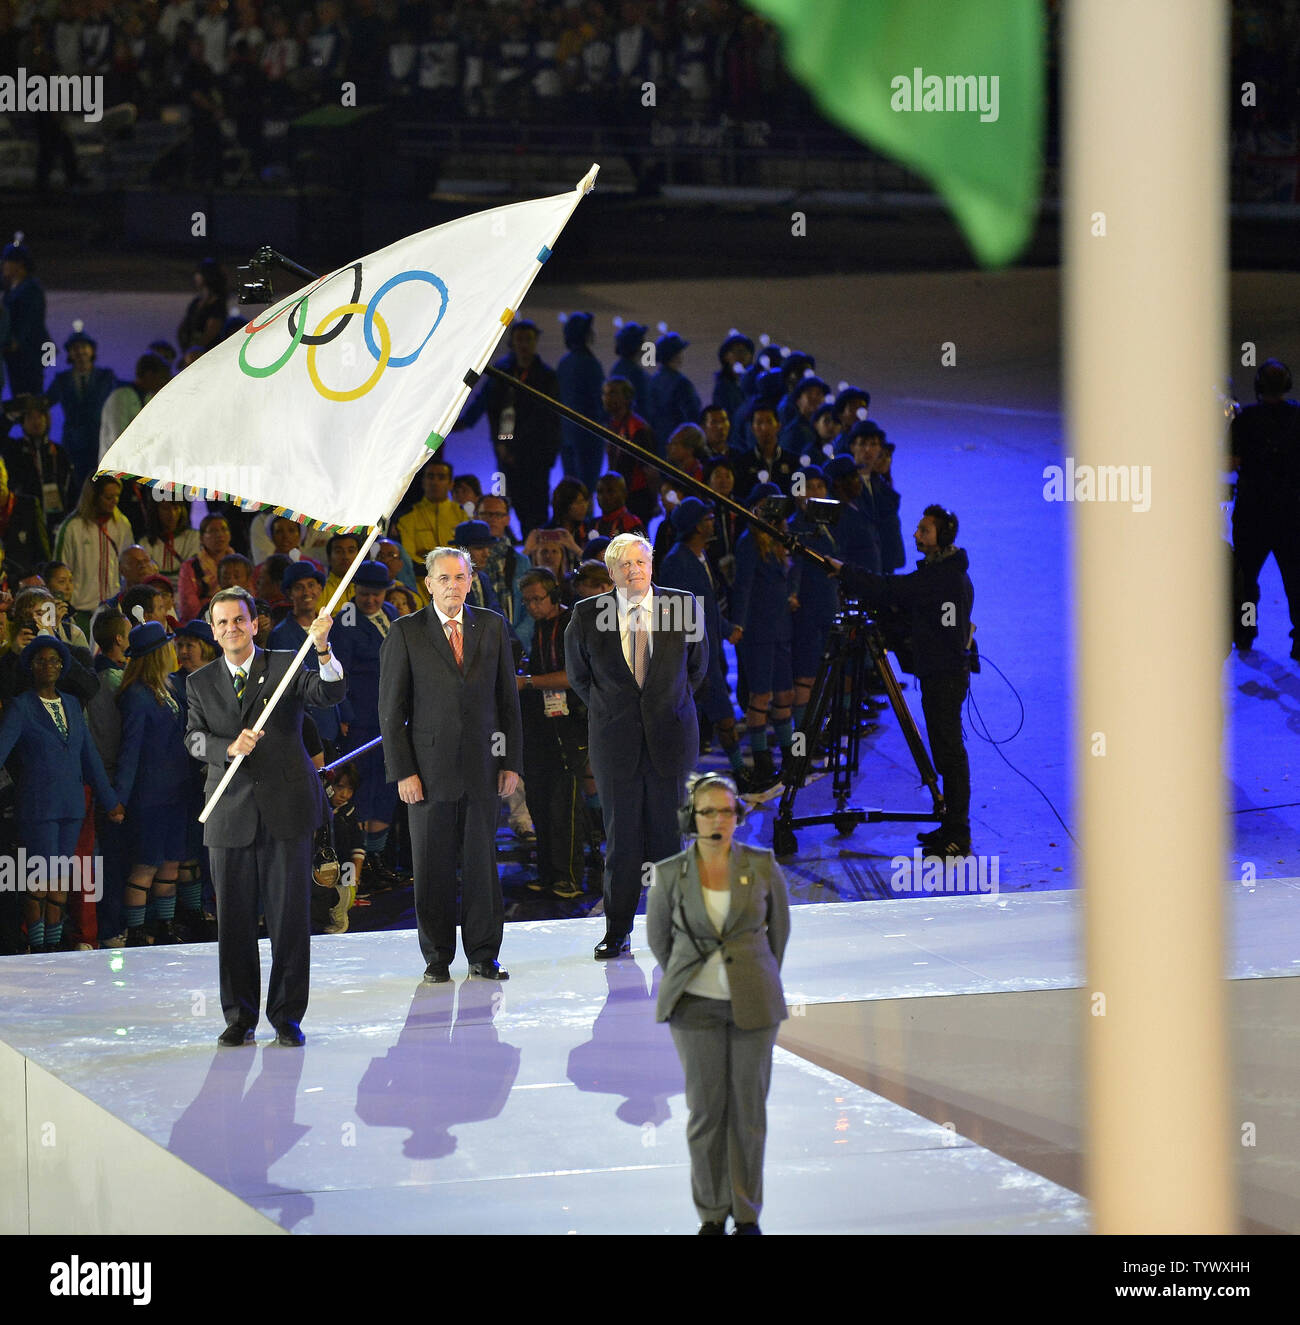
[
  {"x": 36, "y": 934},
  {"x": 162, "y": 908},
  {"x": 53, "y": 933},
  {"x": 134, "y": 916},
  {"x": 758, "y": 738},
  {"x": 736, "y": 759},
  {"x": 190, "y": 894}
]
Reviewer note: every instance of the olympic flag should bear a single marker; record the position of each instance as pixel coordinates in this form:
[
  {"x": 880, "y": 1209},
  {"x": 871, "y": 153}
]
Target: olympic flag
[{"x": 325, "y": 405}]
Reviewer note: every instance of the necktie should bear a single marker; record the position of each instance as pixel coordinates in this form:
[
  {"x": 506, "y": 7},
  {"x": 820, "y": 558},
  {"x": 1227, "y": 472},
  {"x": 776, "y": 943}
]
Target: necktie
[
  {"x": 239, "y": 678},
  {"x": 457, "y": 645},
  {"x": 380, "y": 623},
  {"x": 640, "y": 647}
]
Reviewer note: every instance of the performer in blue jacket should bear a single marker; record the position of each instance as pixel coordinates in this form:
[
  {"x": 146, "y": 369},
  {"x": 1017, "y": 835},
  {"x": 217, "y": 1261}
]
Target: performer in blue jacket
[
  {"x": 154, "y": 781},
  {"x": 358, "y": 637},
  {"x": 49, "y": 734},
  {"x": 762, "y": 605}
]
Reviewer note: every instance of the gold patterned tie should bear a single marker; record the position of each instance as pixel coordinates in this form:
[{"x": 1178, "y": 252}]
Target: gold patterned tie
[
  {"x": 640, "y": 647},
  {"x": 457, "y": 644},
  {"x": 240, "y": 677}
]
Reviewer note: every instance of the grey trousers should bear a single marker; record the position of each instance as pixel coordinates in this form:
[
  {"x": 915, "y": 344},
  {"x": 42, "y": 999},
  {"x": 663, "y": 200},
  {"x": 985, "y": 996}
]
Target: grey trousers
[{"x": 728, "y": 1072}]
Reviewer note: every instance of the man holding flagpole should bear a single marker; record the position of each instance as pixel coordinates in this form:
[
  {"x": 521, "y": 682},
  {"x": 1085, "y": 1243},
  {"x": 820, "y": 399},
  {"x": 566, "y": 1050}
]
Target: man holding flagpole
[{"x": 259, "y": 834}]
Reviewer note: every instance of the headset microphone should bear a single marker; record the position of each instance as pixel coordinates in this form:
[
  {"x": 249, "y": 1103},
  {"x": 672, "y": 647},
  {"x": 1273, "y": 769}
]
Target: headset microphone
[{"x": 714, "y": 837}]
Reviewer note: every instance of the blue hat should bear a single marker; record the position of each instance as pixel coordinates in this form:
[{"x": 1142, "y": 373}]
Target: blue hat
[
  {"x": 197, "y": 629},
  {"x": 719, "y": 462},
  {"x": 18, "y": 252},
  {"x": 687, "y": 515},
  {"x": 771, "y": 387},
  {"x": 45, "y": 642},
  {"x": 762, "y": 491},
  {"x": 147, "y": 637},
  {"x": 804, "y": 383},
  {"x": 473, "y": 533},
  {"x": 843, "y": 466},
  {"x": 732, "y": 342},
  {"x": 848, "y": 393},
  {"x": 813, "y": 471},
  {"x": 373, "y": 575},
  {"x": 630, "y": 338},
  {"x": 576, "y": 327},
  {"x": 797, "y": 359},
  {"x": 305, "y": 569},
  {"x": 79, "y": 337},
  {"x": 669, "y": 346},
  {"x": 866, "y": 428}
]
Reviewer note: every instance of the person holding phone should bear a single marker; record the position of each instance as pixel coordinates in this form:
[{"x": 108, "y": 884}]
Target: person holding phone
[
  {"x": 717, "y": 921},
  {"x": 34, "y": 612}
]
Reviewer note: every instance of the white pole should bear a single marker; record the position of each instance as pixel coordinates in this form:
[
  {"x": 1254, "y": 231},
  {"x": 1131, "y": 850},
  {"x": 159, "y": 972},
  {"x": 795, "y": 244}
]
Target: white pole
[{"x": 1145, "y": 332}]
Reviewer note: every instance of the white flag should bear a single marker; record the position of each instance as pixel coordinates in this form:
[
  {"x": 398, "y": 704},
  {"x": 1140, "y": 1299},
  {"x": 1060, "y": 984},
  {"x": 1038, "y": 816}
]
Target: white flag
[{"x": 325, "y": 405}]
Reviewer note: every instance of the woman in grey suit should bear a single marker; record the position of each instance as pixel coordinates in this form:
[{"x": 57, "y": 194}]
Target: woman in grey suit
[{"x": 717, "y": 920}]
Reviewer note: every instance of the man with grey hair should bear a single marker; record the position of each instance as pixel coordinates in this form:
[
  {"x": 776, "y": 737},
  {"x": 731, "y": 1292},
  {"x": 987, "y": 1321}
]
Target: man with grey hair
[
  {"x": 453, "y": 743},
  {"x": 635, "y": 656}
]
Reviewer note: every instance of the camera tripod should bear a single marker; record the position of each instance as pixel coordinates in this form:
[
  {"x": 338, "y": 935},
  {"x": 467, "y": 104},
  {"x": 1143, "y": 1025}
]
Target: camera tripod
[{"x": 833, "y": 721}]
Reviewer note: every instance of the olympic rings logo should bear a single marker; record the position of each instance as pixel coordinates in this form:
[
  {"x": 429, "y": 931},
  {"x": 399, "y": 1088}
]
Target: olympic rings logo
[{"x": 334, "y": 323}]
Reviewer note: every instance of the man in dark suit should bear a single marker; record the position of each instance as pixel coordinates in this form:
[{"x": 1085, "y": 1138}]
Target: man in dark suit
[
  {"x": 635, "y": 657},
  {"x": 259, "y": 835},
  {"x": 453, "y": 743}
]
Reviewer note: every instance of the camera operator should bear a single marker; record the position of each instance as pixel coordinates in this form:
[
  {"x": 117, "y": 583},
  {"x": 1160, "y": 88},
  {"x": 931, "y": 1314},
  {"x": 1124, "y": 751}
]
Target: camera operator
[
  {"x": 1265, "y": 446},
  {"x": 937, "y": 598}
]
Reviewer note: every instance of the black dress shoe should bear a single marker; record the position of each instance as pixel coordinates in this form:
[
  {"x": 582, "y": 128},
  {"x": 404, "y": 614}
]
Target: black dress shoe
[
  {"x": 490, "y": 970},
  {"x": 713, "y": 1228},
  {"x": 290, "y": 1035},
  {"x": 746, "y": 1231},
  {"x": 610, "y": 946},
  {"x": 235, "y": 1034},
  {"x": 437, "y": 973}
]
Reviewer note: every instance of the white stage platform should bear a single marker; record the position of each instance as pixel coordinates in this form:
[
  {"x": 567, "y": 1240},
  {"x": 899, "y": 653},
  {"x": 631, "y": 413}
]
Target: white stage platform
[{"x": 553, "y": 1103}]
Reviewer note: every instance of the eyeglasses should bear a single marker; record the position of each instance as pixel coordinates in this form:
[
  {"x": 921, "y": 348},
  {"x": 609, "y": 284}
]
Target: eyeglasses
[{"x": 727, "y": 812}]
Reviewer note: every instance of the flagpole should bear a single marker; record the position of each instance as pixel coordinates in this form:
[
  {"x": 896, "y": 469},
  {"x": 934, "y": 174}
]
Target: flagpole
[{"x": 781, "y": 534}]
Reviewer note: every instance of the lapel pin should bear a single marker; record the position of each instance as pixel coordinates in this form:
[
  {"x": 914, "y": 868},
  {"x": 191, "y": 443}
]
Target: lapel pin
[{"x": 744, "y": 879}]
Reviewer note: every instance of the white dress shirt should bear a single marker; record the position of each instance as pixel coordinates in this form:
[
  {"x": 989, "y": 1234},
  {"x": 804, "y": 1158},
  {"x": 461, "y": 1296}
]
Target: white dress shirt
[{"x": 330, "y": 671}]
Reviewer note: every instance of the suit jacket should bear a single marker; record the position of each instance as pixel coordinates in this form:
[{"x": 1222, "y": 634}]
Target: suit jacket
[
  {"x": 753, "y": 938},
  {"x": 622, "y": 715},
  {"x": 457, "y": 728},
  {"x": 277, "y": 780},
  {"x": 53, "y": 768}
]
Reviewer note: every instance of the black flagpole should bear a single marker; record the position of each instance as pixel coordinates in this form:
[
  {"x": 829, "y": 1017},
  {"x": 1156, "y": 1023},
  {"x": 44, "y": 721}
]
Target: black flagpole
[{"x": 702, "y": 490}]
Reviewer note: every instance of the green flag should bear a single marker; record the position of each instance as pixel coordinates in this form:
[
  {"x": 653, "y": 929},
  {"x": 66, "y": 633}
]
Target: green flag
[{"x": 951, "y": 88}]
